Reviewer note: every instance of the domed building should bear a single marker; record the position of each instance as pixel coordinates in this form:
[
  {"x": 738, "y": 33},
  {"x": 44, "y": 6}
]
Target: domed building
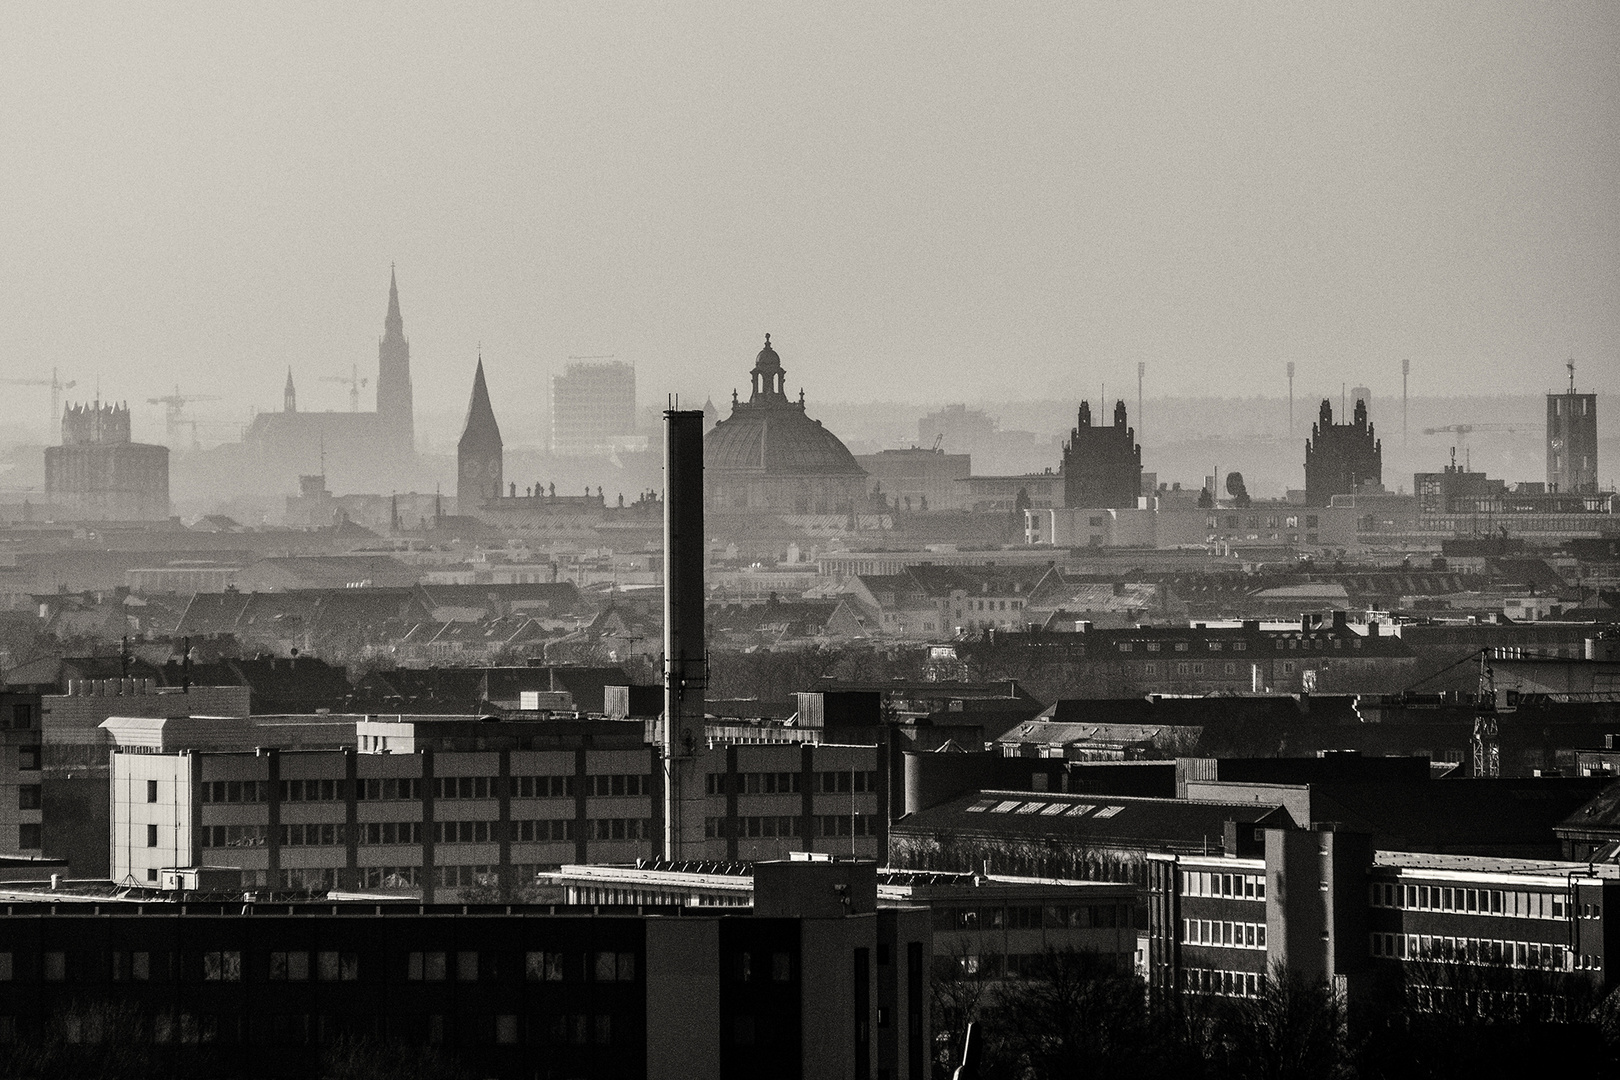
[{"x": 769, "y": 457}]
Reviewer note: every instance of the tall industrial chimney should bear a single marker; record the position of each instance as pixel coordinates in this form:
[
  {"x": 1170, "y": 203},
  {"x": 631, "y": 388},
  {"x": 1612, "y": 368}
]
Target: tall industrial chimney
[{"x": 686, "y": 670}]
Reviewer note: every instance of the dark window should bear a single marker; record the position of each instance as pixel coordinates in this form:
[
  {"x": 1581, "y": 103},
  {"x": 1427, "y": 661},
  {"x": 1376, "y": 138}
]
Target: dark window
[
  {"x": 28, "y": 837},
  {"x": 28, "y": 796},
  {"x": 151, "y": 836},
  {"x": 151, "y": 791}
]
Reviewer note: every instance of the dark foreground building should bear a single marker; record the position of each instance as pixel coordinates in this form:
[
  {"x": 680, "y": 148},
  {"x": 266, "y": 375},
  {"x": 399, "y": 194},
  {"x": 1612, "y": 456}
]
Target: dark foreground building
[
  {"x": 816, "y": 983},
  {"x": 1340, "y": 458}
]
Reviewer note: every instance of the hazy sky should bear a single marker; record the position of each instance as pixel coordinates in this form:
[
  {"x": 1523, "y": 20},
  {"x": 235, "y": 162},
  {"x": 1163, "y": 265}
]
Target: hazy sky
[{"x": 928, "y": 200}]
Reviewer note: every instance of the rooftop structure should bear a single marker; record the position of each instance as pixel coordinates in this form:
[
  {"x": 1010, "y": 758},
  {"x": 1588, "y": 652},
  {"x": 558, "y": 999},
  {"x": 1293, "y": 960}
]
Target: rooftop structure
[
  {"x": 769, "y": 456},
  {"x": 98, "y": 474},
  {"x": 1102, "y": 466},
  {"x": 1572, "y": 440},
  {"x": 1340, "y": 459}
]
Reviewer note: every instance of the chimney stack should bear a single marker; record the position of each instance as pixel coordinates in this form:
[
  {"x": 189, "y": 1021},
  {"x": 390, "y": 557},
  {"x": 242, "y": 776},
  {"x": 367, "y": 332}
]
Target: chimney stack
[{"x": 686, "y": 669}]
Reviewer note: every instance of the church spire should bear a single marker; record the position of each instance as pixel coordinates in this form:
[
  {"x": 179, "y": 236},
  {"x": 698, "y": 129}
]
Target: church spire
[
  {"x": 289, "y": 396},
  {"x": 393, "y": 323},
  {"x": 478, "y": 453}
]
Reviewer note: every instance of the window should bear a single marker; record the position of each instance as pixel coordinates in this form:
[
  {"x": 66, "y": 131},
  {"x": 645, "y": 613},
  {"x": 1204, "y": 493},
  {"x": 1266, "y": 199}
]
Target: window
[
  {"x": 27, "y": 758},
  {"x": 615, "y": 967},
  {"x": 151, "y": 836},
  {"x": 151, "y": 791},
  {"x": 337, "y": 966},
  {"x": 390, "y": 789},
  {"x": 466, "y": 967},
  {"x": 55, "y": 966},
  {"x": 506, "y": 1029},
  {"x": 543, "y": 967},
  {"x": 222, "y": 966},
  {"x": 465, "y": 787},
  {"x": 311, "y": 790},
  {"x": 425, "y": 967},
  {"x": 289, "y": 967}
]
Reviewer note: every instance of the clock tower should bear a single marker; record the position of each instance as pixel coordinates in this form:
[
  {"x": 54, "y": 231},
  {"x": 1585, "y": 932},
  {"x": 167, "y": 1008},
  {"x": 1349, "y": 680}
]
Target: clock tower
[{"x": 478, "y": 454}]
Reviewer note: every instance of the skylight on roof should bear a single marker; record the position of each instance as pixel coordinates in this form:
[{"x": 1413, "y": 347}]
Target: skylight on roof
[
  {"x": 1031, "y": 808},
  {"x": 1055, "y": 808},
  {"x": 981, "y": 806},
  {"x": 1108, "y": 811},
  {"x": 1004, "y": 807},
  {"x": 1081, "y": 809}
]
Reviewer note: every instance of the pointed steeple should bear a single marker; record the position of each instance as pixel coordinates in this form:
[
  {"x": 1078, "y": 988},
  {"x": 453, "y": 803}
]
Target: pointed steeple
[
  {"x": 478, "y": 453},
  {"x": 393, "y": 323},
  {"x": 289, "y": 396},
  {"x": 480, "y": 413},
  {"x": 394, "y": 399}
]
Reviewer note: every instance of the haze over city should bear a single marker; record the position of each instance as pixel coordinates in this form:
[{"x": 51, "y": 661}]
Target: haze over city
[
  {"x": 919, "y": 201},
  {"x": 926, "y": 541}
]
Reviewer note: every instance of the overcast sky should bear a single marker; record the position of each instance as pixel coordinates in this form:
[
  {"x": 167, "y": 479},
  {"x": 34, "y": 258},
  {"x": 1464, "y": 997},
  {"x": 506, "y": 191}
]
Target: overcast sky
[{"x": 921, "y": 201}]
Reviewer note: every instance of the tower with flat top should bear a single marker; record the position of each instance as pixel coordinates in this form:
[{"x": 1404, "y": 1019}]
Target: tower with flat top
[{"x": 1572, "y": 440}]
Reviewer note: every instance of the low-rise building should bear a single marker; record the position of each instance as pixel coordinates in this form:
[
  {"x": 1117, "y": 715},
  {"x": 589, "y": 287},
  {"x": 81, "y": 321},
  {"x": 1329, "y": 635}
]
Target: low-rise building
[
  {"x": 817, "y": 981},
  {"x": 430, "y": 806}
]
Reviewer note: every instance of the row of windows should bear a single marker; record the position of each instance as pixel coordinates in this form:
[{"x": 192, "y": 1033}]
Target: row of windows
[
  {"x": 300, "y": 1029},
  {"x": 1466, "y": 950},
  {"x": 751, "y": 827},
  {"x": 1033, "y": 917},
  {"x": 219, "y": 836},
  {"x": 995, "y": 965},
  {"x": 1182, "y": 646},
  {"x": 389, "y": 789},
  {"x": 1237, "y": 935},
  {"x": 1208, "y": 883},
  {"x": 214, "y": 966},
  {"x": 1224, "y": 983},
  {"x": 470, "y": 966},
  {"x": 444, "y": 832},
  {"x": 223, "y": 791},
  {"x": 545, "y": 831},
  {"x": 390, "y": 877},
  {"x": 1185, "y": 668},
  {"x": 1532, "y": 905},
  {"x": 784, "y": 783}
]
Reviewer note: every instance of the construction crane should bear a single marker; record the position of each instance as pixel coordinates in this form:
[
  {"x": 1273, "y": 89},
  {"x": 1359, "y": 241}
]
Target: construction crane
[
  {"x": 354, "y": 381},
  {"x": 57, "y": 386},
  {"x": 1462, "y": 431},
  {"x": 173, "y": 405}
]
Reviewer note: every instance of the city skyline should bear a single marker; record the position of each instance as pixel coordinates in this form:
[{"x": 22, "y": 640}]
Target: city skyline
[{"x": 201, "y": 199}]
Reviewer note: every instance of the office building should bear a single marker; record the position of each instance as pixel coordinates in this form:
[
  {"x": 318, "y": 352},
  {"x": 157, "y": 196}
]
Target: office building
[{"x": 593, "y": 410}]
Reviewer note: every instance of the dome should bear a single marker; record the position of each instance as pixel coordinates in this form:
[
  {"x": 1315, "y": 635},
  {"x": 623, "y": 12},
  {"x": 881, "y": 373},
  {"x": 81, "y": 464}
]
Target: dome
[
  {"x": 780, "y": 441},
  {"x": 771, "y": 435}
]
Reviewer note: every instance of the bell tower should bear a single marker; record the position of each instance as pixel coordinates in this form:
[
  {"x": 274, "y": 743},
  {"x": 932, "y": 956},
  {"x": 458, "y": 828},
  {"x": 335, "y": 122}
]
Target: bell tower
[{"x": 478, "y": 454}]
